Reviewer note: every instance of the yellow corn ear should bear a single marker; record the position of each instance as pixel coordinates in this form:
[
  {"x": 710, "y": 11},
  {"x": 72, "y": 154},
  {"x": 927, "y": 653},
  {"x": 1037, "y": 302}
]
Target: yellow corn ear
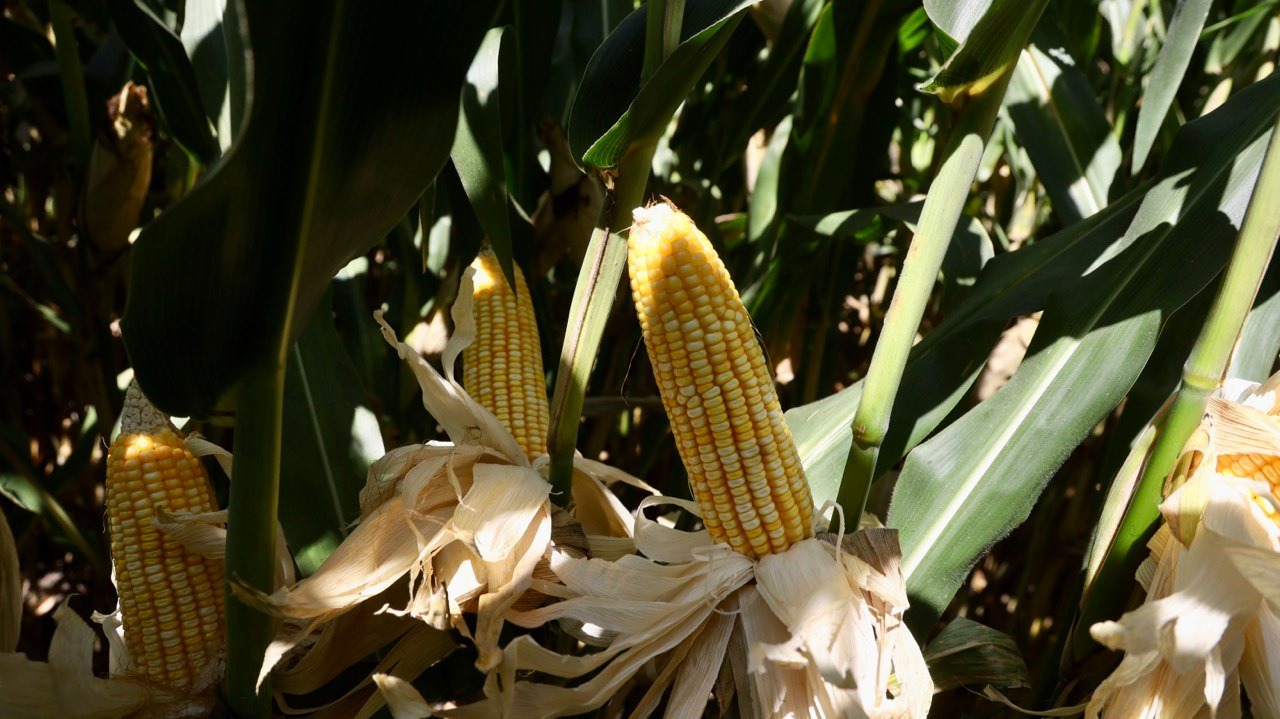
[
  {"x": 502, "y": 369},
  {"x": 716, "y": 388},
  {"x": 1259, "y": 467},
  {"x": 171, "y": 599}
]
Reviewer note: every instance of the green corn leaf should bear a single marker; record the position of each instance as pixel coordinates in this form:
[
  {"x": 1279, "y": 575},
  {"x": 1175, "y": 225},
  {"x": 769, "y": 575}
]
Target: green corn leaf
[
  {"x": 978, "y": 479},
  {"x": 335, "y": 152},
  {"x": 613, "y": 110}
]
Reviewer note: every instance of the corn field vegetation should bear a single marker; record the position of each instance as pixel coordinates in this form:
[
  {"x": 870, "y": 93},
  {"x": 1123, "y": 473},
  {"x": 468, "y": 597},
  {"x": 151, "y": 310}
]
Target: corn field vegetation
[{"x": 609, "y": 358}]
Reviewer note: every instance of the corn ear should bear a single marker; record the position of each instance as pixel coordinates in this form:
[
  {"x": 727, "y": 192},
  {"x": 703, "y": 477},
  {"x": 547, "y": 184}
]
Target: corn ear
[
  {"x": 716, "y": 388},
  {"x": 502, "y": 368},
  {"x": 171, "y": 599}
]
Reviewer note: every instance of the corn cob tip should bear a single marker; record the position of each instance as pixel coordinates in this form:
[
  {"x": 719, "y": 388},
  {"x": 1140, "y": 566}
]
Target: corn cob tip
[
  {"x": 657, "y": 211},
  {"x": 484, "y": 279},
  {"x": 138, "y": 415}
]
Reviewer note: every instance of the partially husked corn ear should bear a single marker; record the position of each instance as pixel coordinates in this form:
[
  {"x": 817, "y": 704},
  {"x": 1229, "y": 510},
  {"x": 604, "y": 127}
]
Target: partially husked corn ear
[
  {"x": 502, "y": 369},
  {"x": 171, "y": 599},
  {"x": 716, "y": 388},
  {"x": 1258, "y": 467}
]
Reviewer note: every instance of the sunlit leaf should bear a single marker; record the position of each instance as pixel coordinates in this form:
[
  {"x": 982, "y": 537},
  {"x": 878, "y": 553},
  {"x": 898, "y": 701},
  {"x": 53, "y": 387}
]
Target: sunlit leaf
[
  {"x": 979, "y": 478},
  {"x": 1165, "y": 78}
]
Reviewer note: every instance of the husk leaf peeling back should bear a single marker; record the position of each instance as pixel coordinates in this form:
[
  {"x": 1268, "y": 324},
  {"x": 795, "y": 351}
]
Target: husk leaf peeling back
[
  {"x": 821, "y": 623},
  {"x": 471, "y": 515},
  {"x": 1210, "y": 623}
]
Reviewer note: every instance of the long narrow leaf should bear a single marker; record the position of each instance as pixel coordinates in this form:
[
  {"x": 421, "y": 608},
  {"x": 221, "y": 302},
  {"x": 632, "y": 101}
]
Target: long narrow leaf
[
  {"x": 334, "y": 153},
  {"x": 978, "y": 479},
  {"x": 947, "y": 361},
  {"x": 330, "y": 437},
  {"x": 614, "y": 110},
  {"x": 1260, "y": 338},
  {"x": 477, "y": 148},
  {"x": 1064, "y": 131},
  {"x": 1166, "y": 76}
]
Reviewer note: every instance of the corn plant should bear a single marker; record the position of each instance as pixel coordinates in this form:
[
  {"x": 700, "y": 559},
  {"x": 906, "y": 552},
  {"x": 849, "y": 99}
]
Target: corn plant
[{"x": 949, "y": 387}]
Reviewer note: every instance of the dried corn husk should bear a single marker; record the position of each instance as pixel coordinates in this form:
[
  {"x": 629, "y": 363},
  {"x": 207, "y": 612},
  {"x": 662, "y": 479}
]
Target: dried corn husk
[
  {"x": 815, "y": 631},
  {"x": 119, "y": 172},
  {"x": 446, "y": 529},
  {"x": 1209, "y": 623}
]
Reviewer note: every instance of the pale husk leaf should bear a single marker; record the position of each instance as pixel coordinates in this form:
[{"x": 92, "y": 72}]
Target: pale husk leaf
[
  {"x": 667, "y": 544},
  {"x": 65, "y": 685},
  {"x": 1185, "y": 644},
  {"x": 698, "y": 672},
  {"x": 419, "y": 649},
  {"x": 670, "y": 664},
  {"x": 376, "y": 553},
  {"x": 402, "y": 699},
  {"x": 354, "y": 634},
  {"x": 463, "y": 419},
  {"x": 1260, "y": 665},
  {"x": 118, "y": 660},
  {"x": 839, "y": 627},
  {"x": 198, "y": 532}
]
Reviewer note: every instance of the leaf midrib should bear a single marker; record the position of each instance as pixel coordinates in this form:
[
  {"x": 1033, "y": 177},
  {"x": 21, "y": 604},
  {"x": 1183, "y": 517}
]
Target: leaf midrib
[{"x": 939, "y": 523}]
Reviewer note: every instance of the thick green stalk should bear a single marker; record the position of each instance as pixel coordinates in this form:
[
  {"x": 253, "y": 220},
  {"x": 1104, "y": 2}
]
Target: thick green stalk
[
  {"x": 606, "y": 257},
  {"x": 1201, "y": 375},
  {"x": 592, "y": 301},
  {"x": 72, "y": 74},
  {"x": 251, "y": 532},
  {"x": 920, "y": 269}
]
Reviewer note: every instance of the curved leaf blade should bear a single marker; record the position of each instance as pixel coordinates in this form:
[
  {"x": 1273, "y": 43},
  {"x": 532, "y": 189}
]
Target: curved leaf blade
[
  {"x": 1064, "y": 130},
  {"x": 979, "y": 478},
  {"x": 328, "y": 161},
  {"x": 992, "y": 45},
  {"x": 956, "y": 18},
  {"x": 946, "y": 362},
  {"x": 966, "y": 652},
  {"x": 612, "y": 110}
]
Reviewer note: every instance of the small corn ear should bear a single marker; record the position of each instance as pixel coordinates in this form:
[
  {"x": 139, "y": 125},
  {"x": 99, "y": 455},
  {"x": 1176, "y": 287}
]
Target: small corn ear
[
  {"x": 171, "y": 599},
  {"x": 502, "y": 368}
]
